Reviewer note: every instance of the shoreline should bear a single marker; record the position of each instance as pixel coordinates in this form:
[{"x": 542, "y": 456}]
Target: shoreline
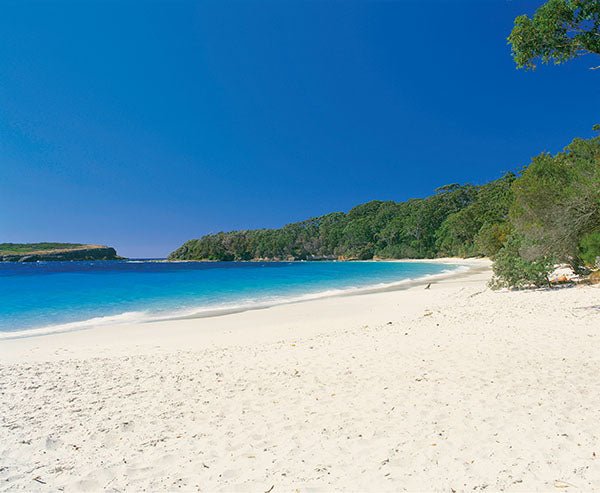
[
  {"x": 454, "y": 387},
  {"x": 372, "y": 289},
  {"x": 193, "y": 331},
  {"x": 209, "y": 312}
]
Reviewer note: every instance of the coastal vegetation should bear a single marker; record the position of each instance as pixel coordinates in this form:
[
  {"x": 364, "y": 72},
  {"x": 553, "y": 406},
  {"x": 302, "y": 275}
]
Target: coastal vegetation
[
  {"x": 547, "y": 213},
  {"x": 28, "y": 248},
  {"x": 33, "y": 252},
  {"x": 554, "y": 217},
  {"x": 527, "y": 222},
  {"x": 457, "y": 220}
]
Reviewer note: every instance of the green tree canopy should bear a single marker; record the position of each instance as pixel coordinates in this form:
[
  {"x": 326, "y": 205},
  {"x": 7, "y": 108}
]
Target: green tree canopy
[
  {"x": 557, "y": 201},
  {"x": 558, "y": 31}
]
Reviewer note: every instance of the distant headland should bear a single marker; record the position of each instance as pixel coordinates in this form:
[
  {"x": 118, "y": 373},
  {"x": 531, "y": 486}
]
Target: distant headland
[{"x": 35, "y": 252}]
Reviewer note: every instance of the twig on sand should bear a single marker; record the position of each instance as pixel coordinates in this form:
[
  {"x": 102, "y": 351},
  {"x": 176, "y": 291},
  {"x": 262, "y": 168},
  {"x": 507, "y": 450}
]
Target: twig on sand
[
  {"x": 476, "y": 294},
  {"x": 562, "y": 484},
  {"x": 270, "y": 489},
  {"x": 39, "y": 480},
  {"x": 428, "y": 286}
]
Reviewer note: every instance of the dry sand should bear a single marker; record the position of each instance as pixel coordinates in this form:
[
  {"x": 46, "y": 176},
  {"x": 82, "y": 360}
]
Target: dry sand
[{"x": 454, "y": 388}]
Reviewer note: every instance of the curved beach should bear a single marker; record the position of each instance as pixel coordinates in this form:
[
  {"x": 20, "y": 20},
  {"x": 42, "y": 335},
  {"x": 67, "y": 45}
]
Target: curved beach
[{"x": 454, "y": 387}]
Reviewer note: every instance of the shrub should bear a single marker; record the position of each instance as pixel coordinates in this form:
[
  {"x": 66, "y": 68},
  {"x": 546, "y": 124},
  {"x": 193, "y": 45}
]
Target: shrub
[
  {"x": 511, "y": 270},
  {"x": 589, "y": 248}
]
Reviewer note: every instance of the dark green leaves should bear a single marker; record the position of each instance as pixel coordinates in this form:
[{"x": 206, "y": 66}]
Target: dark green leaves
[{"x": 558, "y": 31}]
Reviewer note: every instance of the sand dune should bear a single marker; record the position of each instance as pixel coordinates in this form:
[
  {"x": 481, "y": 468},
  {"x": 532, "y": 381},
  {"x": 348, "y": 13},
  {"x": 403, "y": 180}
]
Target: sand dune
[{"x": 450, "y": 389}]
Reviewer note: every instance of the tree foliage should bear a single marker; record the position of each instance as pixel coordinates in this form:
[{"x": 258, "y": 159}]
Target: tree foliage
[
  {"x": 446, "y": 223},
  {"x": 589, "y": 249},
  {"x": 554, "y": 216},
  {"x": 558, "y": 31},
  {"x": 557, "y": 201},
  {"x": 550, "y": 212},
  {"x": 477, "y": 228}
]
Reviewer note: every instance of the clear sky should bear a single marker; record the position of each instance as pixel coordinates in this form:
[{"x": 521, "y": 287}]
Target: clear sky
[{"x": 141, "y": 125}]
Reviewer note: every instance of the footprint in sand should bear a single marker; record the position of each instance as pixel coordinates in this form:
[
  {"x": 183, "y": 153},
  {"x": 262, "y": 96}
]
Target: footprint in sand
[
  {"x": 53, "y": 443},
  {"x": 85, "y": 485}
]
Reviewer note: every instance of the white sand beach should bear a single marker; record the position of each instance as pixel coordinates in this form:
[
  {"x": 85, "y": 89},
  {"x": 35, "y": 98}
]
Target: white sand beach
[{"x": 453, "y": 388}]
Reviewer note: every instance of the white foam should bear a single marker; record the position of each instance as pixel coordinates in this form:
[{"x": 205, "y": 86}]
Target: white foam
[
  {"x": 225, "y": 308},
  {"x": 123, "y": 318}
]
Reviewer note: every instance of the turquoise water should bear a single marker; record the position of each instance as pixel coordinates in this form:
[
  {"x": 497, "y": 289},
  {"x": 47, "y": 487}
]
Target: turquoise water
[{"x": 79, "y": 294}]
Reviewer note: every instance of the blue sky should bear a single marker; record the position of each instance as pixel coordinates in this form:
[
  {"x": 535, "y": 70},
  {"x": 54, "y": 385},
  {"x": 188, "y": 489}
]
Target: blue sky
[{"x": 143, "y": 124}]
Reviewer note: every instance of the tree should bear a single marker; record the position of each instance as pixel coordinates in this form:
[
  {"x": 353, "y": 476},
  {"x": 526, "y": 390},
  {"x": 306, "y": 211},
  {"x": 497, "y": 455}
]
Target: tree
[
  {"x": 491, "y": 238},
  {"x": 479, "y": 228},
  {"x": 557, "y": 201},
  {"x": 560, "y": 30}
]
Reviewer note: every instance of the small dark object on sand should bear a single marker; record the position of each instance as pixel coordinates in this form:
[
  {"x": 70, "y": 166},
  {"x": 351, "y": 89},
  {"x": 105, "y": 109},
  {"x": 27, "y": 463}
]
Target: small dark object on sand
[{"x": 428, "y": 286}]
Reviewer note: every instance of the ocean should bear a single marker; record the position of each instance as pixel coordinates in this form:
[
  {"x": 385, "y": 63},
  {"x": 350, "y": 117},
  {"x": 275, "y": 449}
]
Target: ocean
[{"x": 43, "y": 297}]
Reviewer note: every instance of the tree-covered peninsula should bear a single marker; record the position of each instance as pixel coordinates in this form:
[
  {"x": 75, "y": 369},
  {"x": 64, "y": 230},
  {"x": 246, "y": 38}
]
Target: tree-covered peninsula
[
  {"x": 457, "y": 220},
  {"x": 547, "y": 213}
]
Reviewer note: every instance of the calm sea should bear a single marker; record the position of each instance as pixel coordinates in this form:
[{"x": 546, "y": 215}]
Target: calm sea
[{"x": 68, "y": 295}]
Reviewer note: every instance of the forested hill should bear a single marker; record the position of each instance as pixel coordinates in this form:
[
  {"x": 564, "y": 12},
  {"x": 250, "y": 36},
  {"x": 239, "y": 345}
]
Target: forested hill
[
  {"x": 548, "y": 214},
  {"x": 458, "y": 220}
]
